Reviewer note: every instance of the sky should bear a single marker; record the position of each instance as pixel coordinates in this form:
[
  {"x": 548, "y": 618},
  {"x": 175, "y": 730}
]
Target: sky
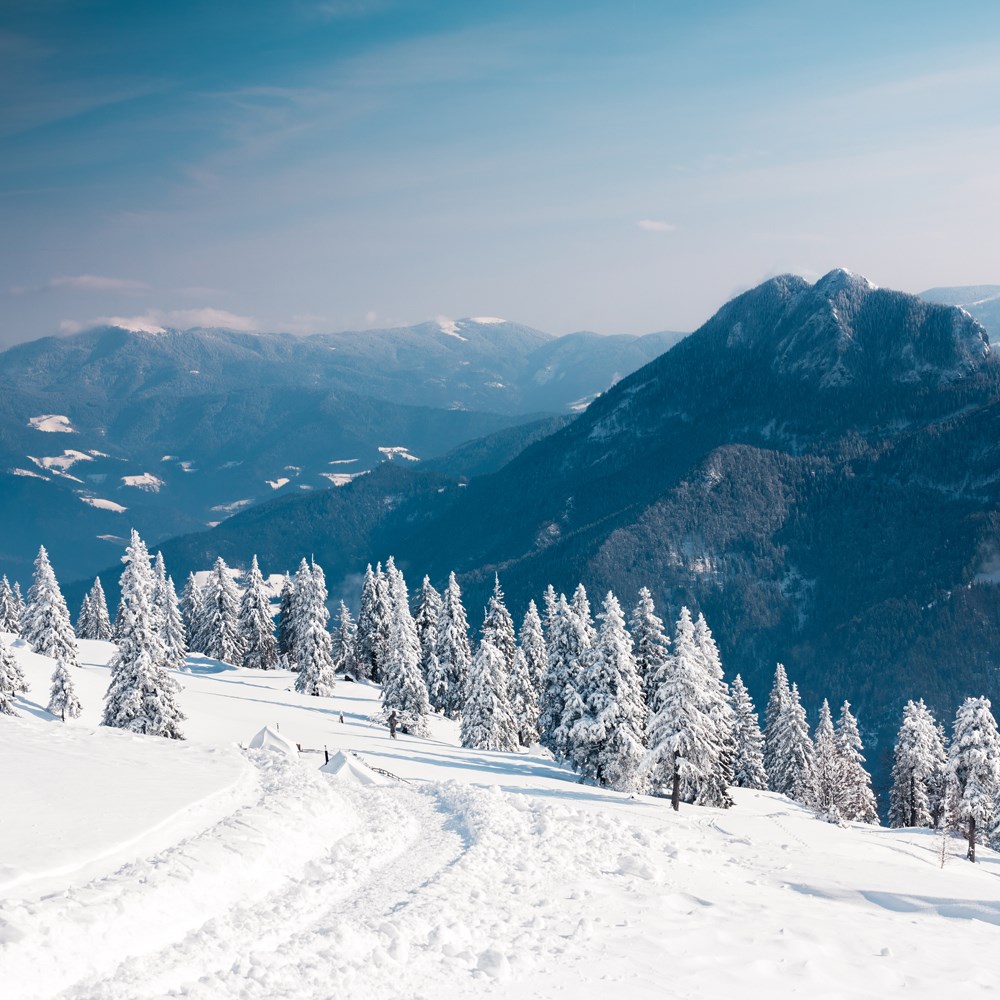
[{"x": 317, "y": 165}]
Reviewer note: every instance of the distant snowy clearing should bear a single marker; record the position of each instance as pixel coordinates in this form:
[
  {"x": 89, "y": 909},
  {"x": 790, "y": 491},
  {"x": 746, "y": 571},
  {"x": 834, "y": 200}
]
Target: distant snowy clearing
[
  {"x": 104, "y": 504},
  {"x": 147, "y": 482},
  {"x": 197, "y": 869},
  {"x": 52, "y": 423}
]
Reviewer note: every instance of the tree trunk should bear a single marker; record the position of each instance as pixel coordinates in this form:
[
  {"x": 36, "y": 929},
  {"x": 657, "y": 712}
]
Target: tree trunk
[
  {"x": 675, "y": 796},
  {"x": 972, "y": 839},
  {"x": 912, "y": 818}
]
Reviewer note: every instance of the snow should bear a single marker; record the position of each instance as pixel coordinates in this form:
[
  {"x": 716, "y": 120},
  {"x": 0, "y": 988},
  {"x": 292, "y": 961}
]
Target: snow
[
  {"x": 233, "y": 507},
  {"x": 488, "y": 320},
  {"x": 60, "y": 463},
  {"x": 450, "y": 327},
  {"x": 29, "y": 473},
  {"x": 52, "y": 423},
  {"x": 146, "y": 482},
  {"x": 150, "y": 868},
  {"x": 104, "y": 504},
  {"x": 271, "y": 740},
  {"x": 350, "y": 768},
  {"x": 276, "y": 484},
  {"x": 341, "y": 478},
  {"x": 343, "y": 461},
  {"x": 396, "y": 451}
]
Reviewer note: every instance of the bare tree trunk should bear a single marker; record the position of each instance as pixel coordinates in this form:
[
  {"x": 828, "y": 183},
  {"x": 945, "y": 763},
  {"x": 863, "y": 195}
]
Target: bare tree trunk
[
  {"x": 675, "y": 796},
  {"x": 972, "y": 839},
  {"x": 911, "y": 820}
]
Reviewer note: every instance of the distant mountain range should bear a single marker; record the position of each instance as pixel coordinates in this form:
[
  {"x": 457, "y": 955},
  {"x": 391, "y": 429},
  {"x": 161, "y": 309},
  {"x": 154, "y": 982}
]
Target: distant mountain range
[
  {"x": 175, "y": 431},
  {"x": 817, "y": 468},
  {"x": 980, "y": 301}
]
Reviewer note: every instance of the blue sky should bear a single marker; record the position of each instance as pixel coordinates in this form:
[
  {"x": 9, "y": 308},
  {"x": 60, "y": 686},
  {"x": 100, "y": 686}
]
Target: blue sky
[{"x": 626, "y": 166}]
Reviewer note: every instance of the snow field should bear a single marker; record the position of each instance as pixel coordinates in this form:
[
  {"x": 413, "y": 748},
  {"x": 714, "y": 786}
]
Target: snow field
[{"x": 488, "y": 874}]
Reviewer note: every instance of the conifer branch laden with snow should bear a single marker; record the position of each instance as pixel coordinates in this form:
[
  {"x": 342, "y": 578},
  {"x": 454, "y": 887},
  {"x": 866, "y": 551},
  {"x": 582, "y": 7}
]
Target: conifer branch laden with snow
[
  {"x": 974, "y": 769},
  {"x": 748, "y": 764},
  {"x": 488, "y": 721},
  {"x": 12, "y": 682},
  {"x": 94, "y": 621},
  {"x": 918, "y": 770},
  {"x": 453, "y": 651},
  {"x": 10, "y": 608}
]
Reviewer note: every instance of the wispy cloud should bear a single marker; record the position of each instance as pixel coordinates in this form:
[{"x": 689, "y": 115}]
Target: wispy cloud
[
  {"x": 158, "y": 320},
  {"x": 655, "y": 226},
  {"x": 84, "y": 283}
]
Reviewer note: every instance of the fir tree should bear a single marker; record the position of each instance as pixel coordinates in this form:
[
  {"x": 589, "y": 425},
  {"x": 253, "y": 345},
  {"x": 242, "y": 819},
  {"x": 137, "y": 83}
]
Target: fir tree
[
  {"x": 974, "y": 768},
  {"x": 581, "y": 606},
  {"x": 558, "y": 670},
  {"x": 856, "y": 801},
  {"x": 498, "y": 626},
  {"x": 171, "y": 625},
  {"x": 260, "y": 651},
  {"x": 488, "y": 722},
  {"x": 98, "y": 624},
  {"x": 577, "y": 633},
  {"x": 829, "y": 777},
  {"x": 795, "y": 774},
  {"x": 191, "y": 601},
  {"x": 917, "y": 769},
  {"x": 45, "y": 625},
  {"x": 218, "y": 629},
  {"x": 607, "y": 742},
  {"x": 426, "y": 620},
  {"x": 63, "y": 701},
  {"x": 532, "y": 643},
  {"x": 83, "y": 626},
  {"x": 285, "y": 633},
  {"x": 403, "y": 687},
  {"x": 10, "y": 608},
  {"x": 374, "y": 620},
  {"x": 142, "y": 696},
  {"x": 453, "y": 651},
  {"x": 344, "y": 641},
  {"x": 12, "y": 681},
  {"x": 313, "y": 643},
  {"x": 748, "y": 765},
  {"x": 681, "y": 736},
  {"x": 780, "y": 695},
  {"x": 715, "y": 789},
  {"x": 523, "y": 700},
  {"x": 652, "y": 646}
]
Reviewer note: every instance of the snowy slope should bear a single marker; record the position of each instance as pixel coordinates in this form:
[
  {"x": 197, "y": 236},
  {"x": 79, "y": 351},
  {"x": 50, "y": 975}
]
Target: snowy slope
[{"x": 482, "y": 874}]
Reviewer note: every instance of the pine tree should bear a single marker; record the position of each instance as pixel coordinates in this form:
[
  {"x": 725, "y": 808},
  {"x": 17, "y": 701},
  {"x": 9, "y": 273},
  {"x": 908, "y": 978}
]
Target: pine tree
[
  {"x": 142, "y": 696},
  {"x": 748, "y": 765},
  {"x": 652, "y": 646},
  {"x": 578, "y": 635},
  {"x": 285, "y": 632},
  {"x": 681, "y": 736},
  {"x": 488, "y": 722},
  {"x": 191, "y": 601},
  {"x": 171, "y": 625},
  {"x": 581, "y": 606},
  {"x": 532, "y": 643},
  {"x": 558, "y": 670},
  {"x": 63, "y": 701},
  {"x": 916, "y": 769},
  {"x": 715, "y": 789},
  {"x": 856, "y": 801},
  {"x": 780, "y": 695},
  {"x": 313, "y": 643},
  {"x": 260, "y": 651},
  {"x": 374, "y": 620},
  {"x": 453, "y": 651},
  {"x": 498, "y": 626},
  {"x": 344, "y": 643},
  {"x": 403, "y": 687},
  {"x": 796, "y": 771},
  {"x": 523, "y": 700},
  {"x": 426, "y": 620},
  {"x": 218, "y": 630},
  {"x": 97, "y": 624},
  {"x": 607, "y": 742},
  {"x": 10, "y": 608},
  {"x": 829, "y": 777},
  {"x": 45, "y": 625},
  {"x": 12, "y": 681},
  {"x": 974, "y": 767}
]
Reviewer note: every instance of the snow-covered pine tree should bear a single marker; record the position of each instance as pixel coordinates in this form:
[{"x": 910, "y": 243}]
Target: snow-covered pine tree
[
  {"x": 403, "y": 687},
  {"x": 426, "y": 619},
  {"x": 829, "y": 779},
  {"x": 498, "y": 626},
  {"x": 607, "y": 742},
  {"x": 12, "y": 681},
  {"x": 374, "y": 620},
  {"x": 856, "y": 800},
  {"x": 581, "y": 605},
  {"x": 578, "y": 634},
  {"x": 83, "y": 626},
  {"x": 10, "y": 608},
  {"x": 159, "y": 597},
  {"x": 45, "y": 624},
  {"x": 260, "y": 651},
  {"x": 780, "y": 693},
  {"x": 142, "y": 696},
  {"x": 171, "y": 625},
  {"x": 974, "y": 768},
  {"x": 748, "y": 763},
  {"x": 681, "y": 735},
  {"x": 344, "y": 639},
  {"x": 285, "y": 631},
  {"x": 796, "y": 769},
  {"x": 191, "y": 600},
  {"x": 523, "y": 700},
  {"x": 313, "y": 643},
  {"x": 652, "y": 646},
  {"x": 488, "y": 722},
  {"x": 99, "y": 620},
  {"x": 532, "y": 643},
  {"x": 218, "y": 628},
  {"x": 453, "y": 651},
  {"x": 558, "y": 669},
  {"x": 63, "y": 701},
  {"x": 715, "y": 790}
]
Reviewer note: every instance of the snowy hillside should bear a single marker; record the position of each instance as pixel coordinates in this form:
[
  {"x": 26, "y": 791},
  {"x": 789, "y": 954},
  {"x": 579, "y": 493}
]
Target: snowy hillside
[{"x": 132, "y": 867}]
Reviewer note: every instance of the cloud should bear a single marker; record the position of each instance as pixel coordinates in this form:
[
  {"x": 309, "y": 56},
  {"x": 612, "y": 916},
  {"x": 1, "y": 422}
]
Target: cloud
[
  {"x": 157, "y": 321},
  {"x": 655, "y": 226},
  {"x": 83, "y": 283}
]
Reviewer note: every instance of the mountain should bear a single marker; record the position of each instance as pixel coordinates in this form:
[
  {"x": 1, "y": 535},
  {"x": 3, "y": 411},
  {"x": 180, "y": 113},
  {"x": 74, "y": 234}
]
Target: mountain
[
  {"x": 174, "y": 431},
  {"x": 980, "y": 301},
  {"x": 815, "y": 468}
]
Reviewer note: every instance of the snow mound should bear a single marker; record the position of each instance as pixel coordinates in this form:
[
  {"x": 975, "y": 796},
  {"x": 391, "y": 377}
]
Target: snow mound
[
  {"x": 52, "y": 423},
  {"x": 346, "y": 768},
  {"x": 271, "y": 739},
  {"x": 147, "y": 481}
]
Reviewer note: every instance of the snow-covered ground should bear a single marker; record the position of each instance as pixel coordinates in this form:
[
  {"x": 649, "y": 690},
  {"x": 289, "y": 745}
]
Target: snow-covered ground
[{"x": 135, "y": 868}]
